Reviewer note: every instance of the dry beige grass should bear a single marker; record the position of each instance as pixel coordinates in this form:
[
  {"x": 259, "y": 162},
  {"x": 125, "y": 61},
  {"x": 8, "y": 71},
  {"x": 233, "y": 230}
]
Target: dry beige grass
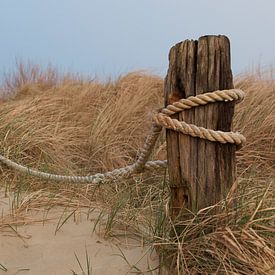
[
  {"x": 75, "y": 126},
  {"x": 81, "y": 126},
  {"x": 255, "y": 117}
]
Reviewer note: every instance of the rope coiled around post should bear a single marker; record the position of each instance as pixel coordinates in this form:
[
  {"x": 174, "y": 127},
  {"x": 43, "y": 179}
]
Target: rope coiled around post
[{"x": 161, "y": 119}]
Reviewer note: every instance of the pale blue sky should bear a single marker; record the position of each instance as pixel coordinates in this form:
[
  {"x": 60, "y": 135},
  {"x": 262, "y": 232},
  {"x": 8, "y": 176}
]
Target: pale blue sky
[{"x": 108, "y": 38}]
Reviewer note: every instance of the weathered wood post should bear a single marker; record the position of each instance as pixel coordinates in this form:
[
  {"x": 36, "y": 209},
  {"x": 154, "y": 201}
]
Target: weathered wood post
[{"x": 201, "y": 172}]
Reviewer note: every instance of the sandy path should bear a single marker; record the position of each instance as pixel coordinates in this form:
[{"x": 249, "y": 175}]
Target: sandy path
[{"x": 40, "y": 251}]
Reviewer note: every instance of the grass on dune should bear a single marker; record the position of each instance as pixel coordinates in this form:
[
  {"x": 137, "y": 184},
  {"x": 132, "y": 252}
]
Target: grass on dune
[
  {"x": 78, "y": 126},
  {"x": 85, "y": 126},
  {"x": 255, "y": 118}
]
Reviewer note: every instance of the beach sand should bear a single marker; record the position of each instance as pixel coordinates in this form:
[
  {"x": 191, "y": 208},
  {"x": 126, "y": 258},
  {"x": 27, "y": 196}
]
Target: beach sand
[{"x": 36, "y": 248}]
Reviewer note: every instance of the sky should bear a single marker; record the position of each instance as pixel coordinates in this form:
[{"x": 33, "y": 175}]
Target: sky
[{"x": 100, "y": 38}]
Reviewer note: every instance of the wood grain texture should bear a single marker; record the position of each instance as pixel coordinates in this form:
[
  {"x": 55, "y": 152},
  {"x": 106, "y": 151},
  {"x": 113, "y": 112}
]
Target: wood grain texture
[{"x": 201, "y": 172}]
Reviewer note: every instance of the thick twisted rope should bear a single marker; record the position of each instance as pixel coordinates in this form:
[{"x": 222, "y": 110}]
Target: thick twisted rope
[
  {"x": 162, "y": 119},
  {"x": 98, "y": 178},
  {"x": 141, "y": 165}
]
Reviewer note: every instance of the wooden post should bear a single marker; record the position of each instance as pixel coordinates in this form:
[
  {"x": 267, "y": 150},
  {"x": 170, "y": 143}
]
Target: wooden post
[{"x": 201, "y": 172}]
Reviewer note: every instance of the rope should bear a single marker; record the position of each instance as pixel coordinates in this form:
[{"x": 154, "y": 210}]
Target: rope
[
  {"x": 162, "y": 119},
  {"x": 98, "y": 178},
  {"x": 142, "y": 164}
]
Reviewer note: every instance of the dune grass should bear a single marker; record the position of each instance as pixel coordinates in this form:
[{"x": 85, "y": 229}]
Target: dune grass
[{"x": 78, "y": 126}]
